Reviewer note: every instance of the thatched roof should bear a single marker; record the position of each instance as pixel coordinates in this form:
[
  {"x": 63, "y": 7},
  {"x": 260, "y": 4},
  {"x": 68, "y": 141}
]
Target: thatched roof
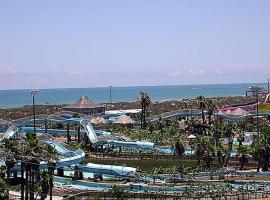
[
  {"x": 98, "y": 120},
  {"x": 84, "y": 102},
  {"x": 239, "y": 112},
  {"x": 124, "y": 119}
]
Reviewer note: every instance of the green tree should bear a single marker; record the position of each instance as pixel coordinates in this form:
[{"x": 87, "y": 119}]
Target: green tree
[
  {"x": 202, "y": 106},
  {"x": 145, "y": 101},
  {"x": 119, "y": 192},
  {"x": 260, "y": 148},
  {"x": 211, "y": 108},
  {"x": 179, "y": 152},
  {"x": 228, "y": 132}
]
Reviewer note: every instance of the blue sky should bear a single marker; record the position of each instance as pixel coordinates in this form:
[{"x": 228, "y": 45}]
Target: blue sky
[{"x": 77, "y": 43}]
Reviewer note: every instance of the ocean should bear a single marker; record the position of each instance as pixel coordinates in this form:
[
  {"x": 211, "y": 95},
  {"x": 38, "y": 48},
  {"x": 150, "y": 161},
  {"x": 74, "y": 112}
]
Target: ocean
[{"x": 18, "y": 98}]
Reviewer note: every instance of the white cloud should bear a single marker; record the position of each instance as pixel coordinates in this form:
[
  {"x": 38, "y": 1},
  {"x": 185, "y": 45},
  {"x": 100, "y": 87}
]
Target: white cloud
[
  {"x": 218, "y": 72},
  {"x": 72, "y": 72},
  {"x": 7, "y": 69},
  {"x": 195, "y": 72},
  {"x": 174, "y": 73}
]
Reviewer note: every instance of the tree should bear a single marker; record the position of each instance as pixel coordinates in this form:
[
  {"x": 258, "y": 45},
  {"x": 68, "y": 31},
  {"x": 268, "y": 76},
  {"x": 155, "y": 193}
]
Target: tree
[
  {"x": 3, "y": 184},
  {"x": 119, "y": 192},
  {"x": 202, "y": 106},
  {"x": 179, "y": 152},
  {"x": 211, "y": 108},
  {"x": 145, "y": 101},
  {"x": 260, "y": 148},
  {"x": 173, "y": 170},
  {"x": 205, "y": 149},
  {"x": 228, "y": 132},
  {"x": 29, "y": 152}
]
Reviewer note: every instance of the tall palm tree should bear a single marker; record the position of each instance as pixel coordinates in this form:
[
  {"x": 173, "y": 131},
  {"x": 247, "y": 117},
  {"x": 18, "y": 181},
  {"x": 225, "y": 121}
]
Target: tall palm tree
[
  {"x": 202, "y": 106},
  {"x": 3, "y": 189},
  {"x": 211, "y": 108},
  {"x": 261, "y": 148},
  {"x": 9, "y": 154},
  {"x": 229, "y": 134},
  {"x": 145, "y": 101},
  {"x": 179, "y": 152}
]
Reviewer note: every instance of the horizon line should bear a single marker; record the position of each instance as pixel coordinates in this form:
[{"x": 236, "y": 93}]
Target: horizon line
[{"x": 59, "y": 88}]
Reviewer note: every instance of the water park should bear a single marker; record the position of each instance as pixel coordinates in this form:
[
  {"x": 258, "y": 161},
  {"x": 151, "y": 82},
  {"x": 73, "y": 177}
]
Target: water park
[{"x": 196, "y": 152}]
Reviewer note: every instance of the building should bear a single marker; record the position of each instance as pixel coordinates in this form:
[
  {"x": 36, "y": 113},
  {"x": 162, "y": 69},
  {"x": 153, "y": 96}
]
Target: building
[{"x": 85, "y": 106}]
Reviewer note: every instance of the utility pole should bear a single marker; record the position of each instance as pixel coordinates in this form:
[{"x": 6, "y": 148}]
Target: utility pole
[
  {"x": 110, "y": 87},
  {"x": 33, "y": 93},
  {"x": 268, "y": 86}
]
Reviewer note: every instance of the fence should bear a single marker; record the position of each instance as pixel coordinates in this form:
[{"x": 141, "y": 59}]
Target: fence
[{"x": 136, "y": 196}]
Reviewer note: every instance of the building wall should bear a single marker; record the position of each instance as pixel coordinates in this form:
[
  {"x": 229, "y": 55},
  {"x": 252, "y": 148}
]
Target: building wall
[{"x": 88, "y": 111}]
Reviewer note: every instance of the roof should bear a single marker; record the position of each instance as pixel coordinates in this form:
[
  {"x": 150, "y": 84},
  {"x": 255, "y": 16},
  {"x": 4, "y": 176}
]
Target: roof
[
  {"x": 120, "y": 112},
  {"x": 124, "y": 119},
  {"x": 98, "y": 120},
  {"x": 84, "y": 102},
  {"x": 238, "y": 112}
]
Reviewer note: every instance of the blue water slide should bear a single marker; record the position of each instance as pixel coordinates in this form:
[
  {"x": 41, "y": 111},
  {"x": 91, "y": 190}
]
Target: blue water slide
[
  {"x": 11, "y": 131},
  {"x": 69, "y": 157},
  {"x": 132, "y": 144},
  {"x": 119, "y": 171}
]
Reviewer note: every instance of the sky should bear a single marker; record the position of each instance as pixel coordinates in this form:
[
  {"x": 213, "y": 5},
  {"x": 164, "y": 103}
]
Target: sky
[{"x": 95, "y": 43}]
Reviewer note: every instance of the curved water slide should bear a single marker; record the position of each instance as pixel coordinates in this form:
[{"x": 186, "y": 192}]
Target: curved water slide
[
  {"x": 84, "y": 123},
  {"x": 120, "y": 171},
  {"x": 11, "y": 131},
  {"x": 88, "y": 129},
  {"x": 68, "y": 157}
]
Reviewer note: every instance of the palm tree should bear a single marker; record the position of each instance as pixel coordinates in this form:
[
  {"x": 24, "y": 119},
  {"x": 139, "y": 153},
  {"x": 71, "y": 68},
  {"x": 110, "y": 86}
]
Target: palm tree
[
  {"x": 211, "y": 108},
  {"x": 145, "y": 101},
  {"x": 3, "y": 189},
  {"x": 179, "y": 152},
  {"x": 229, "y": 134},
  {"x": 261, "y": 148},
  {"x": 9, "y": 154},
  {"x": 202, "y": 106}
]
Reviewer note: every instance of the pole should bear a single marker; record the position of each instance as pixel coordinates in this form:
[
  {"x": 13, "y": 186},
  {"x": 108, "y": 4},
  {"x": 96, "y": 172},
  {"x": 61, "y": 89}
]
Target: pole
[
  {"x": 33, "y": 92},
  {"x": 268, "y": 88},
  {"x": 34, "y": 113},
  {"x": 110, "y": 87},
  {"x": 257, "y": 113}
]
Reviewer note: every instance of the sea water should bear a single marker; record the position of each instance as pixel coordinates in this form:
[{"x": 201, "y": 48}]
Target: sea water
[{"x": 17, "y": 98}]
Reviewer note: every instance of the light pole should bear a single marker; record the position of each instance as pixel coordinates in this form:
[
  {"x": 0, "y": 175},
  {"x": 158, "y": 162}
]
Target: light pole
[
  {"x": 33, "y": 93},
  {"x": 255, "y": 91},
  {"x": 110, "y": 87},
  {"x": 268, "y": 86}
]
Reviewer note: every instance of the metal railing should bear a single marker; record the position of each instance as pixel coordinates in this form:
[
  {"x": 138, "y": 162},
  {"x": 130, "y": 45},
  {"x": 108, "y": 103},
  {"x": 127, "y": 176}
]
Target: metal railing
[{"x": 178, "y": 196}]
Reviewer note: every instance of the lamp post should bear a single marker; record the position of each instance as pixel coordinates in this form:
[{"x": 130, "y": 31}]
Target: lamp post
[
  {"x": 33, "y": 93},
  {"x": 255, "y": 91},
  {"x": 110, "y": 87},
  {"x": 268, "y": 86}
]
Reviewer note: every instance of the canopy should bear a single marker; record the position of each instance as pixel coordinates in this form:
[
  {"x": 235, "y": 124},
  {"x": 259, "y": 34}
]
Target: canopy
[
  {"x": 239, "y": 112},
  {"x": 191, "y": 136},
  {"x": 84, "y": 102},
  {"x": 124, "y": 119},
  {"x": 98, "y": 120}
]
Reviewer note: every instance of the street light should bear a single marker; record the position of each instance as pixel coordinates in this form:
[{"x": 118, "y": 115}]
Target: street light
[
  {"x": 110, "y": 87},
  {"x": 268, "y": 86},
  {"x": 255, "y": 91},
  {"x": 33, "y": 93}
]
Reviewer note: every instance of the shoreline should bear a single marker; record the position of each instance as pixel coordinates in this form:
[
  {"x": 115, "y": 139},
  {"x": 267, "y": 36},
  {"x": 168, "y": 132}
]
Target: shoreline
[{"x": 156, "y": 107}]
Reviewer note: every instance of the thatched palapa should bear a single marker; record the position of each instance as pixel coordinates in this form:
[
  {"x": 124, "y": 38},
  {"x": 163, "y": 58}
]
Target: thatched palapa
[
  {"x": 85, "y": 106},
  {"x": 125, "y": 120}
]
